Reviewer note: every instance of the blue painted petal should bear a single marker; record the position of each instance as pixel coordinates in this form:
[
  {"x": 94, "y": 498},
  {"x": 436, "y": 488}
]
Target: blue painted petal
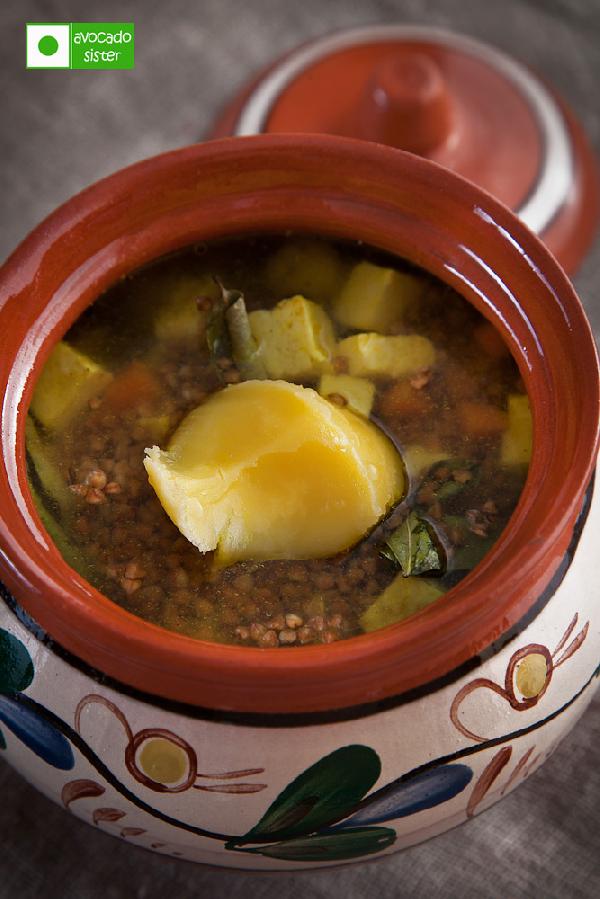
[
  {"x": 41, "y": 737},
  {"x": 412, "y": 795}
]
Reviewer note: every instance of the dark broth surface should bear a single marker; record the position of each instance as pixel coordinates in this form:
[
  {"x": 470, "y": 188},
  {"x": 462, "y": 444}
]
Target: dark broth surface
[{"x": 94, "y": 496}]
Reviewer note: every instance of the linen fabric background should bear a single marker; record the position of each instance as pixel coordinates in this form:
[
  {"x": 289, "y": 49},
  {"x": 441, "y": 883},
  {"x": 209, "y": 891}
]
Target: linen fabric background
[{"x": 61, "y": 130}]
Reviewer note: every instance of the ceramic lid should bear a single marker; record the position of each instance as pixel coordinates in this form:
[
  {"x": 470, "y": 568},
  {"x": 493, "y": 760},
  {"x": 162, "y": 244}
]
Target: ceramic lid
[{"x": 448, "y": 98}]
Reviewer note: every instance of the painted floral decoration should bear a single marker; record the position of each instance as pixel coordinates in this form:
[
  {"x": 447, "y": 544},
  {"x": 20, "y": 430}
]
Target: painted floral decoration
[
  {"x": 327, "y": 813},
  {"x": 19, "y": 714}
]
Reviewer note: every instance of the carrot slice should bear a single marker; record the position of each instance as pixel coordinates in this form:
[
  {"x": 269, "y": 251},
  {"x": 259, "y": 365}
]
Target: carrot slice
[
  {"x": 481, "y": 419},
  {"x": 135, "y": 385},
  {"x": 401, "y": 399}
]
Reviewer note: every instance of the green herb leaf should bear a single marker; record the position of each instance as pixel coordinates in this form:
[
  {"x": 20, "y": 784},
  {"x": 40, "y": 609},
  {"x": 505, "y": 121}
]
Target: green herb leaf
[
  {"x": 404, "y": 597},
  {"x": 351, "y": 843},
  {"x": 413, "y": 548},
  {"x": 452, "y": 485},
  {"x": 472, "y": 552},
  {"x": 449, "y": 488},
  {"x": 217, "y": 333},
  {"x": 243, "y": 345},
  {"x": 327, "y": 791},
  {"x": 228, "y": 335},
  {"x": 452, "y": 464}
]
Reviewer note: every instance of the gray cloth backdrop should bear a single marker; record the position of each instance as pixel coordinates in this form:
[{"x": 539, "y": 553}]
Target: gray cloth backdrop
[{"x": 61, "y": 130}]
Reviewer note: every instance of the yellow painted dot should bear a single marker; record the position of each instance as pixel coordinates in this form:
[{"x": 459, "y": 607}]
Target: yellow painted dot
[
  {"x": 531, "y": 675},
  {"x": 163, "y": 761}
]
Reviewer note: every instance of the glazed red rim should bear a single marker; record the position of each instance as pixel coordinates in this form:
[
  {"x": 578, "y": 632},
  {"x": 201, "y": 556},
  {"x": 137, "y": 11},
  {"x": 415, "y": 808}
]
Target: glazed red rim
[{"x": 336, "y": 187}]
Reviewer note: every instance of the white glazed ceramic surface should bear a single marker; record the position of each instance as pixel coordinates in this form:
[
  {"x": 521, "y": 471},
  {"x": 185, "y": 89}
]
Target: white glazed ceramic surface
[{"x": 189, "y": 784}]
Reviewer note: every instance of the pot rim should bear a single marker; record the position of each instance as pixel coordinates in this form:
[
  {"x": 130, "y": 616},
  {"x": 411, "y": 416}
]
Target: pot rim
[{"x": 363, "y": 184}]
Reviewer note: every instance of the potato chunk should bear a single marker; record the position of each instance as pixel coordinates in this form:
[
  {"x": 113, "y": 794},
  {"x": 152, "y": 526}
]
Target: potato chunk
[
  {"x": 516, "y": 440},
  {"x": 305, "y": 266},
  {"x": 271, "y": 470},
  {"x": 156, "y": 427},
  {"x": 42, "y": 459},
  {"x": 404, "y": 597},
  {"x": 72, "y": 554},
  {"x": 392, "y": 357},
  {"x": 359, "y": 393},
  {"x": 419, "y": 459},
  {"x": 295, "y": 339},
  {"x": 373, "y": 298},
  {"x": 177, "y": 316},
  {"x": 67, "y": 383}
]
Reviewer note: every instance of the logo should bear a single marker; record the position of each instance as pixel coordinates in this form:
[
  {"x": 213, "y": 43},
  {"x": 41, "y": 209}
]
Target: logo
[
  {"x": 48, "y": 46},
  {"x": 80, "y": 45}
]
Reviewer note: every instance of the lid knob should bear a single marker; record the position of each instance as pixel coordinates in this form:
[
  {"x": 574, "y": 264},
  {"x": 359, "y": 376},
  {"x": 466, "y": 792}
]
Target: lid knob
[{"x": 407, "y": 104}]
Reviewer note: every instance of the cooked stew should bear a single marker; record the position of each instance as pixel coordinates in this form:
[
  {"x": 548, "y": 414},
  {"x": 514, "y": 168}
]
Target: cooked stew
[{"x": 336, "y": 436}]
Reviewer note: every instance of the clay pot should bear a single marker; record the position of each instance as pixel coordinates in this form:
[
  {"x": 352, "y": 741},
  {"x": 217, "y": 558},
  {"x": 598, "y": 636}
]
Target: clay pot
[{"x": 424, "y": 722}]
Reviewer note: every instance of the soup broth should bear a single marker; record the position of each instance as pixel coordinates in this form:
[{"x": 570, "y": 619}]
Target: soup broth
[{"x": 154, "y": 347}]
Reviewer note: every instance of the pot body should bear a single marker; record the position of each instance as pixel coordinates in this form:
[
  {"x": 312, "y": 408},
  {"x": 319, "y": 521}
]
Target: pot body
[
  {"x": 275, "y": 792},
  {"x": 334, "y": 187},
  {"x": 264, "y": 759}
]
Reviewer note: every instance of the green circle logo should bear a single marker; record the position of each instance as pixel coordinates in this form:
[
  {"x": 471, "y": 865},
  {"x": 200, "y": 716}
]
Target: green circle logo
[{"x": 48, "y": 45}]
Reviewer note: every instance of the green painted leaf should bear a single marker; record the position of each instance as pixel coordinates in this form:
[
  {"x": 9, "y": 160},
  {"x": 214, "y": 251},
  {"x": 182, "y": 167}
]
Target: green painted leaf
[
  {"x": 413, "y": 547},
  {"x": 16, "y": 667},
  {"x": 324, "y": 793},
  {"x": 332, "y": 846}
]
